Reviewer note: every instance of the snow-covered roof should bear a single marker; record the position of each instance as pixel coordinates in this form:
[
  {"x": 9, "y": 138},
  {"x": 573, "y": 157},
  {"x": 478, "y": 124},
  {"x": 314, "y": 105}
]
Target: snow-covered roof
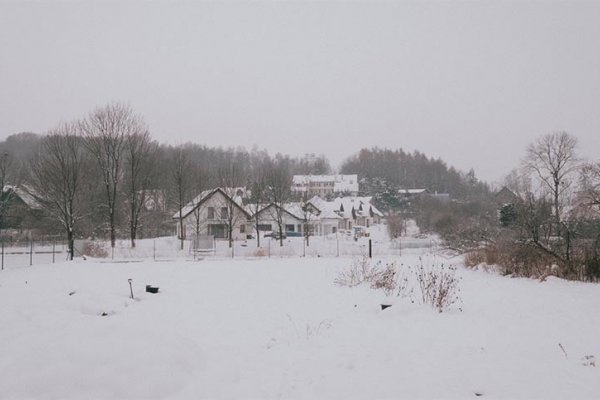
[
  {"x": 189, "y": 207},
  {"x": 413, "y": 191},
  {"x": 327, "y": 208},
  {"x": 231, "y": 193},
  {"x": 26, "y": 194},
  {"x": 295, "y": 209},
  {"x": 344, "y": 206}
]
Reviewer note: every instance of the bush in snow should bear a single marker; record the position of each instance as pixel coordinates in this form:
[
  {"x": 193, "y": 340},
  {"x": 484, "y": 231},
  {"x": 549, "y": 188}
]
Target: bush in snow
[
  {"x": 386, "y": 279},
  {"x": 360, "y": 271},
  {"x": 475, "y": 258},
  {"x": 438, "y": 285},
  {"x": 95, "y": 249}
]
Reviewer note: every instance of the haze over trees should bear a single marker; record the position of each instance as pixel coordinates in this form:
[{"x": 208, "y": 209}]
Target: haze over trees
[{"x": 104, "y": 177}]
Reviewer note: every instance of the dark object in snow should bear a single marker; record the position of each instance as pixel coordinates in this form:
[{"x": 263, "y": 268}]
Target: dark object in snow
[
  {"x": 72, "y": 293},
  {"x": 151, "y": 289},
  {"x": 384, "y": 306},
  {"x": 478, "y": 394},
  {"x": 130, "y": 288},
  {"x": 104, "y": 314}
]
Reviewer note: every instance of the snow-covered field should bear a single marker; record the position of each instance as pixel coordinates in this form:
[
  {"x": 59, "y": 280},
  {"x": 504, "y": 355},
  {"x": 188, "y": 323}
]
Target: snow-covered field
[{"x": 279, "y": 328}]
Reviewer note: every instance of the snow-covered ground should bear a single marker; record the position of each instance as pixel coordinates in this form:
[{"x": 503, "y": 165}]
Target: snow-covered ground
[{"x": 279, "y": 328}]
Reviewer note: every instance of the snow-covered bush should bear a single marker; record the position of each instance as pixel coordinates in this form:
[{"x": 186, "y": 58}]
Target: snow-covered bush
[
  {"x": 475, "y": 258},
  {"x": 386, "y": 279},
  {"x": 439, "y": 285},
  {"x": 360, "y": 271},
  {"x": 95, "y": 249}
]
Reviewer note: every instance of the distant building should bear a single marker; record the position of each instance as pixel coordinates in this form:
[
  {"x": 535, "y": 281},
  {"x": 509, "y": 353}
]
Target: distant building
[
  {"x": 411, "y": 193},
  {"x": 325, "y": 185},
  {"x": 506, "y": 196}
]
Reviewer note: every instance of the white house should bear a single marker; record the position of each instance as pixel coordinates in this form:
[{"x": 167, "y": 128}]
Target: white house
[
  {"x": 325, "y": 185},
  {"x": 293, "y": 217},
  {"x": 350, "y": 210},
  {"x": 215, "y": 213}
]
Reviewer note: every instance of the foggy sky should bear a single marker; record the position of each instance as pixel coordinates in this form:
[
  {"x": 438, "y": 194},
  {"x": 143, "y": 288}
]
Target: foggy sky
[{"x": 470, "y": 82}]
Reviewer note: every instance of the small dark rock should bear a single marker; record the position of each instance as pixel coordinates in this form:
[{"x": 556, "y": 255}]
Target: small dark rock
[{"x": 384, "y": 306}]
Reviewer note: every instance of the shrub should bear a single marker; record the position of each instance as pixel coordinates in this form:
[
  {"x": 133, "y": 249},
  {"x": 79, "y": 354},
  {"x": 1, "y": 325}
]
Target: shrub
[
  {"x": 260, "y": 252},
  {"x": 475, "y": 258},
  {"x": 438, "y": 285},
  {"x": 360, "y": 271},
  {"x": 386, "y": 279},
  {"x": 95, "y": 249}
]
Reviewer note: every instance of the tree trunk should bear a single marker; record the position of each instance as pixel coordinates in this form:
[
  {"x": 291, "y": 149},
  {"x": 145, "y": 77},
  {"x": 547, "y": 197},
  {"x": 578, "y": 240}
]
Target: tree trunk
[
  {"x": 132, "y": 230},
  {"x": 181, "y": 228},
  {"x": 71, "y": 243},
  {"x": 113, "y": 237},
  {"x": 556, "y": 212},
  {"x": 257, "y": 232}
]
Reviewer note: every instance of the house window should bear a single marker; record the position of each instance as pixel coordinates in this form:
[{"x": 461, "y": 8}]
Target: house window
[
  {"x": 289, "y": 228},
  {"x": 211, "y": 213},
  {"x": 224, "y": 213},
  {"x": 219, "y": 231},
  {"x": 242, "y": 228}
]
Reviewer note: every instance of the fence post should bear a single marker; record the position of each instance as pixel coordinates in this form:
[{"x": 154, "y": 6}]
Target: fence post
[
  {"x": 53, "y": 248},
  {"x": 400, "y": 244},
  {"x": 337, "y": 240},
  {"x": 3, "y": 254},
  {"x": 370, "y": 249},
  {"x": 31, "y": 253},
  {"x": 269, "y": 248},
  {"x": 154, "y": 249},
  {"x": 303, "y": 247}
]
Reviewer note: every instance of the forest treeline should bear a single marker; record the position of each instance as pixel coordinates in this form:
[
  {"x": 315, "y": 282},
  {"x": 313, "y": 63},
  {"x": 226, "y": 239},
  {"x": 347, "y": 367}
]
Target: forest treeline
[
  {"x": 98, "y": 175},
  {"x": 104, "y": 176}
]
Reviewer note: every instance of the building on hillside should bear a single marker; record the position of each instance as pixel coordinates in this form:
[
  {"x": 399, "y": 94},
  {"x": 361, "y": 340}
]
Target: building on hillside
[
  {"x": 505, "y": 196},
  {"x": 213, "y": 212},
  {"x": 351, "y": 210},
  {"x": 20, "y": 210},
  {"x": 325, "y": 185},
  {"x": 412, "y": 193}
]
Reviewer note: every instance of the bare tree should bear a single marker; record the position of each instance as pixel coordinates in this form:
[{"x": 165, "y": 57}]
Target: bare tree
[
  {"x": 200, "y": 183},
  {"x": 180, "y": 180},
  {"x": 279, "y": 182},
  {"x": 106, "y": 130},
  {"x": 258, "y": 189},
  {"x": 230, "y": 177},
  {"x": 5, "y": 193},
  {"x": 139, "y": 167},
  {"x": 57, "y": 175},
  {"x": 552, "y": 159},
  {"x": 590, "y": 183},
  {"x": 309, "y": 215}
]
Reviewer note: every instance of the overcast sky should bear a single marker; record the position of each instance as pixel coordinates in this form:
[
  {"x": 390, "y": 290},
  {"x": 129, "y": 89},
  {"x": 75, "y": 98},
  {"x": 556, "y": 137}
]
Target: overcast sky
[{"x": 470, "y": 82}]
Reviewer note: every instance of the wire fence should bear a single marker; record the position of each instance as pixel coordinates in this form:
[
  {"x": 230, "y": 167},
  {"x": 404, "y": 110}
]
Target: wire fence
[
  {"x": 32, "y": 252},
  {"x": 35, "y": 252}
]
